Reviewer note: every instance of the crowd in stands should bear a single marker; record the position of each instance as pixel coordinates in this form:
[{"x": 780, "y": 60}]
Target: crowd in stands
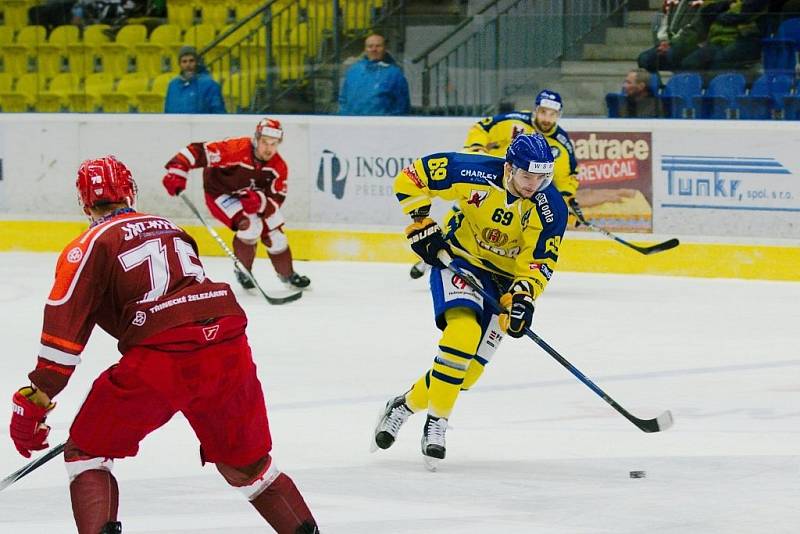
[{"x": 712, "y": 49}]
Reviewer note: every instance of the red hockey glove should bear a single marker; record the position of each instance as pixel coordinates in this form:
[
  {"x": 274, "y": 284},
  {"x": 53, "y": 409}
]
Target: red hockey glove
[
  {"x": 174, "y": 183},
  {"x": 252, "y": 201},
  {"x": 27, "y": 428}
]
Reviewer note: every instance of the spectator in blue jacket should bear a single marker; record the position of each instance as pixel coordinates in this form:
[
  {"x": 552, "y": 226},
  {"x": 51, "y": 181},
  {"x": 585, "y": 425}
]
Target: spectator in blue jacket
[
  {"x": 193, "y": 90},
  {"x": 374, "y": 85}
]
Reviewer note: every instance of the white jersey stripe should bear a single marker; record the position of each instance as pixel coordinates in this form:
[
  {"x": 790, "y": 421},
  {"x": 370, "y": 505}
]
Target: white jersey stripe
[
  {"x": 188, "y": 155},
  {"x": 58, "y": 356}
]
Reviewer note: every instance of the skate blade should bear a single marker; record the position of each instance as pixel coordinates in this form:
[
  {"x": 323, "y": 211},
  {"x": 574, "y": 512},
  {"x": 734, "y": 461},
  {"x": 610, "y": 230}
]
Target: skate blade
[{"x": 431, "y": 463}]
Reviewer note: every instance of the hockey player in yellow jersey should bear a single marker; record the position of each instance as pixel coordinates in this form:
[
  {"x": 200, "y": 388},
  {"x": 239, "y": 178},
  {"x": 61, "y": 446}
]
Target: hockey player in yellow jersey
[
  {"x": 507, "y": 233},
  {"x": 493, "y": 135}
]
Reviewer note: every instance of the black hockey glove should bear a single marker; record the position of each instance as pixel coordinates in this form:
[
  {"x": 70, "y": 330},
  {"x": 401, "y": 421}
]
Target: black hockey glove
[
  {"x": 520, "y": 316},
  {"x": 427, "y": 241}
]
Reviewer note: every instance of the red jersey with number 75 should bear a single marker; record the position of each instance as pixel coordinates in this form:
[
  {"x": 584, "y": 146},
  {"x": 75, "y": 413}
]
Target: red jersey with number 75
[{"x": 134, "y": 275}]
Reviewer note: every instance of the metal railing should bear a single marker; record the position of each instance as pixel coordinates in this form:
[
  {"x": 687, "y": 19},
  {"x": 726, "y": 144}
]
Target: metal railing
[{"x": 473, "y": 68}]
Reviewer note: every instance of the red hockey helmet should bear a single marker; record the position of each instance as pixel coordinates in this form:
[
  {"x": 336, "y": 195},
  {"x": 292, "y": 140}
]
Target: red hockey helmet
[
  {"x": 270, "y": 128},
  {"x": 105, "y": 181}
]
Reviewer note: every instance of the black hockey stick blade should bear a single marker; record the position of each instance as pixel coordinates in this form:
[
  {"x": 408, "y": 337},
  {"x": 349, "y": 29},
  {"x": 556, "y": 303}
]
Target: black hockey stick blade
[
  {"x": 659, "y": 247},
  {"x": 659, "y": 424},
  {"x": 30, "y": 466},
  {"x": 282, "y": 299}
]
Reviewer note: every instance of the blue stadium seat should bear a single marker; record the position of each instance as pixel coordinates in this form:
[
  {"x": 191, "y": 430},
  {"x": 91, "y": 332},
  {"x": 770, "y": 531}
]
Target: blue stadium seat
[
  {"x": 719, "y": 96},
  {"x": 766, "y": 95},
  {"x": 676, "y": 99},
  {"x": 779, "y": 52}
]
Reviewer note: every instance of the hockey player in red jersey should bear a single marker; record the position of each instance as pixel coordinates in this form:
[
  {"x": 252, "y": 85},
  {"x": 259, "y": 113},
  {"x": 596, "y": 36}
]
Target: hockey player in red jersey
[
  {"x": 244, "y": 180},
  {"x": 184, "y": 349}
]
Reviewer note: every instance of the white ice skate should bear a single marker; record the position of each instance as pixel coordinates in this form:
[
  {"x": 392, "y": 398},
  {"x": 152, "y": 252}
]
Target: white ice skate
[
  {"x": 433, "y": 446},
  {"x": 390, "y": 419}
]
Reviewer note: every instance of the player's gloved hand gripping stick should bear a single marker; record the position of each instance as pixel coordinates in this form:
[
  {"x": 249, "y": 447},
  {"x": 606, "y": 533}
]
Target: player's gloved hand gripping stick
[
  {"x": 272, "y": 299},
  {"x": 660, "y": 423}
]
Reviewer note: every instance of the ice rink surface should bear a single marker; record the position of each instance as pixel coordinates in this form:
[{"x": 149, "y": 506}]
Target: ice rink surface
[{"x": 530, "y": 449}]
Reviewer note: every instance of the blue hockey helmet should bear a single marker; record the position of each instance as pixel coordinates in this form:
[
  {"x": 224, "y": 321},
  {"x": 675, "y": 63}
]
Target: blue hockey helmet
[
  {"x": 549, "y": 99},
  {"x": 531, "y": 153}
]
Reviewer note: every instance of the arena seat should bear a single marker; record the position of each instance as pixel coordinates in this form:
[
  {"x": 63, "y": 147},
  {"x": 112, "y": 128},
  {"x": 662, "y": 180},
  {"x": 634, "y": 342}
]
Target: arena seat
[
  {"x": 84, "y": 56},
  {"x": 20, "y": 56},
  {"x": 22, "y": 96},
  {"x": 157, "y": 55},
  {"x": 54, "y": 55},
  {"x": 87, "y": 100},
  {"x": 152, "y": 100},
  {"x": 54, "y": 99},
  {"x": 117, "y": 56},
  {"x": 122, "y": 98}
]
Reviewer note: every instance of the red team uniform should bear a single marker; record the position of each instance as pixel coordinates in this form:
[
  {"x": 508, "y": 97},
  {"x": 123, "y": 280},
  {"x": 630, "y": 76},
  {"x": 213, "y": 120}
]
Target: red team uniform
[
  {"x": 245, "y": 186},
  {"x": 184, "y": 349}
]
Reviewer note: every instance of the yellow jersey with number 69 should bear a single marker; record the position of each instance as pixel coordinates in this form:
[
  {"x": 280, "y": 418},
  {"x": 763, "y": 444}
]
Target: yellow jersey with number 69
[{"x": 507, "y": 235}]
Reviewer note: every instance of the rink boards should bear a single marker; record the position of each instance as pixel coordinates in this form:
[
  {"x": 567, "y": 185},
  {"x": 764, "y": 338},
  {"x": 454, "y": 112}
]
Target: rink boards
[
  {"x": 579, "y": 253},
  {"x": 732, "y": 199}
]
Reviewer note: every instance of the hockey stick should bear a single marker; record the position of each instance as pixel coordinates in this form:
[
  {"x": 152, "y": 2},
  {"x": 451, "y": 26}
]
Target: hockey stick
[
  {"x": 272, "y": 299},
  {"x": 660, "y": 423},
  {"x": 30, "y": 466},
  {"x": 652, "y": 249}
]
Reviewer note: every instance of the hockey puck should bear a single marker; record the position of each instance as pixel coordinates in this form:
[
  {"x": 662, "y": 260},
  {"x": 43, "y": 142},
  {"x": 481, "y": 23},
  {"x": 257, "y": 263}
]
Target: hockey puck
[{"x": 638, "y": 474}]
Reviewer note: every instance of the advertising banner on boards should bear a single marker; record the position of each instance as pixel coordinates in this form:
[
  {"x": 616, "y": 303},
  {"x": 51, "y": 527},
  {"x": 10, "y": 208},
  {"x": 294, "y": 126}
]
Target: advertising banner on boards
[
  {"x": 615, "y": 174},
  {"x": 353, "y": 174},
  {"x": 729, "y": 184}
]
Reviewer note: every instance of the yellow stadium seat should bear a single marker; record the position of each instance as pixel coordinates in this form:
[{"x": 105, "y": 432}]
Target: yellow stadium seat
[
  {"x": 6, "y": 38},
  {"x": 55, "y": 99},
  {"x": 123, "y": 98},
  {"x": 152, "y": 100},
  {"x": 218, "y": 15},
  {"x": 116, "y": 56},
  {"x": 238, "y": 90},
  {"x": 22, "y": 97},
  {"x": 180, "y": 13},
  {"x": 15, "y": 13},
  {"x": 83, "y": 56},
  {"x": 357, "y": 15},
  {"x": 157, "y": 55},
  {"x": 20, "y": 56},
  {"x": 53, "y": 55},
  {"x": 87, "y": 100},
  {"x": 6, "y": 82},
  {"x": 199, "y": 36}
]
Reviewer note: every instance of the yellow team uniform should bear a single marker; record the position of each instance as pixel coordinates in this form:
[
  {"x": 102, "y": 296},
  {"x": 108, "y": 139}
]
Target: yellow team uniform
[
  {"x": 503, "y": 237},
  {"x": 493, "y": 135}
]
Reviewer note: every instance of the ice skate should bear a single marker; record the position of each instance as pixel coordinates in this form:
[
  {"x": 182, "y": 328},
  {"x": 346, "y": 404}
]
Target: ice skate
[
  {"x": 295, "y": 281},
  {"x": 243, "y": 280},
  {"x": 433, "y": 447},
  {"x": 390, "y": 419},
  {"x": 418, "y": 270}
]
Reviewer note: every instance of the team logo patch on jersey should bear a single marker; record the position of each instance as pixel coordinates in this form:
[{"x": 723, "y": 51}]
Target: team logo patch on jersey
[
  {"x": 477, "y": 196},
  {"x": 494, "y": 236},
  {"x": 555, "y": 151},
  {"x": 546, "y": 271},
  {"x": 413, "y": 176},
  {"x": 213, "y": 156},
  {"x": 458, "y": 282},
  {"x": 210, "y": 332},
  {"x": 139, "y": 319},
  {"x": 75, "y": 255}
]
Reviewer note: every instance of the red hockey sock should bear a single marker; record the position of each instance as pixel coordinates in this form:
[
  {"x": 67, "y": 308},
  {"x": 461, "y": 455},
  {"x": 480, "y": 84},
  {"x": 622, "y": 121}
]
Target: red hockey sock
[
  {"x": 283, "y": 507},
  {"x": 282, "y": 262},
  {"x": 246, "y": 253},
  {"x": 95, "y": 500}
]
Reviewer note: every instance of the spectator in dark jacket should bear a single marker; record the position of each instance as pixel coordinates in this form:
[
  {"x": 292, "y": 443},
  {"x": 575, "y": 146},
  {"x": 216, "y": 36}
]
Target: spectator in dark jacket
[
  {"x": 639, "y": 99},
  {"x": 681, "y": 30},
  {"x": 194, "y": 90},
  {"x": 734, "y": 37},
  {"x": 374, "y": 85}
]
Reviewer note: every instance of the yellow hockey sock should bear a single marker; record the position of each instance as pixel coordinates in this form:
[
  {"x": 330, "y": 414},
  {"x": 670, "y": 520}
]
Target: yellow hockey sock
[
  {"x": 417, "y": 397},
  {"x": 473, "y": 374},
  {"x": 457, "y": 347}
]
